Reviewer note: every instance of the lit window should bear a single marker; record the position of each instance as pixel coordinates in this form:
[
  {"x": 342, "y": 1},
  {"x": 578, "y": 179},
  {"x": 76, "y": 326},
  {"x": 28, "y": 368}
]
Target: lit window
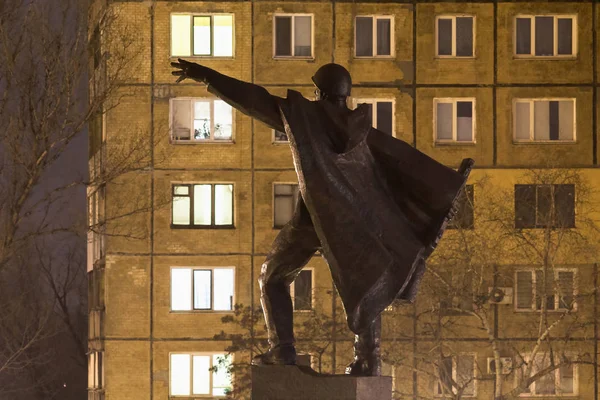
[
  {"x": 455, "y": 36},
  {"x": 191, "y": 375},
  {"x": 201, "y": 120},
  {"x": 202, "y": 205},
  {"x": 293, "y": 35},
  {"x": 561, "y": 381},
  {"x": 96, "y": 370},
  {"x": 202, "y": 35},
  {"x": 456, "y": 373},
  {"x": 557, "y": 288},
  {"x": 543, "y": 206},
  {"x": 373, "y": 36},
  {"x": 544, "y": 120},
  {"x": 381, "y": 113},
  {"x": 202, "y": 289},
  {"x": 285, "y": 198},
  {"x": 454, "y": 120},
  {"x": 280, "y": 137},
  {"x": 301, "y": 290},
  {"x": 545, "y": 35}
]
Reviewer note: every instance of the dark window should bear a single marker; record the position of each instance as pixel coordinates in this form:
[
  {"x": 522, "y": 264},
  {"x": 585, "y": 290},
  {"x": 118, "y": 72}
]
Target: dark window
[
  {"x": 364, "y": 36},
  {"x": 544, "y": 36},
  {"x": 540, "y": 206},
  {"x": 565, "y": 36},
  {"x": 444, "y": 36},
  {"x": 303, "y": 290},
  {"x": 304, "y": 359},
  {"x": 384, "y": 116},
  {"x": 445, "y": 374},
  {"x": 283, "y": 36},
  {"x": 464, "y": 217},
  {"x": 280, "y": 136},
  {"x": 457, "y": 298},
  {"x": 523, "y": 35},
  {"x": 464, "y": 36},
  {"x": 384, "y": 36}
]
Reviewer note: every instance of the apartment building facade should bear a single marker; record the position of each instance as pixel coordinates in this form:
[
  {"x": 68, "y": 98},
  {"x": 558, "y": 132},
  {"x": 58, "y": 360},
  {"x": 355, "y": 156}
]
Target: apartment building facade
[{"x": 509, "y": 84}]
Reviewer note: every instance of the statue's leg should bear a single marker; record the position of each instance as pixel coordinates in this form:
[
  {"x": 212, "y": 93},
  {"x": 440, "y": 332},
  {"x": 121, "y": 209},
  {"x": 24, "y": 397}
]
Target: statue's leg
[
  {"x": 367, "y": 352},
  {"x": 291, "y": 251}
]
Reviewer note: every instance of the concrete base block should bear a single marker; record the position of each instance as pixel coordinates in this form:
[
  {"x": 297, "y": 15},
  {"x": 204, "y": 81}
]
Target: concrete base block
[{"x": 296, "y": 382}]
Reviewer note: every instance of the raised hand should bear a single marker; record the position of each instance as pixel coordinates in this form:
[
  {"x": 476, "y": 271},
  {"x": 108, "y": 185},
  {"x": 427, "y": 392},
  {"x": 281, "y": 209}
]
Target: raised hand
[{"x": 190, "y": 70}]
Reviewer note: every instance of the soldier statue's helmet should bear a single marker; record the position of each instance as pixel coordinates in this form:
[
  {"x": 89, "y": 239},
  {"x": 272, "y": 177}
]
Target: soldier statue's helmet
[{"x": 333, "y": 80}]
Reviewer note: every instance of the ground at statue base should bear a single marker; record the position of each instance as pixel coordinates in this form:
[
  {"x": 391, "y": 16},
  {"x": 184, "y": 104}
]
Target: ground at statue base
[{"x": 292, "y": 382}]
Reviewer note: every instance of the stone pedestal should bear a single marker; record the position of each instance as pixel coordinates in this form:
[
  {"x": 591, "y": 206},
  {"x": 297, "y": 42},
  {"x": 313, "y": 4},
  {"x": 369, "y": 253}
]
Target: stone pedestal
[{"x": 295, "y": 382}]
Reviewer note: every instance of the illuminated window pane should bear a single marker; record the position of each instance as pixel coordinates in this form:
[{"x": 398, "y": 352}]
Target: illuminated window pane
[
  {"x": 223, "y": 120},
  {"x": 202, "y": 204},
  {"x": 523, "y": 118},
  {"x": 182, "y": 190},
  {"x": 181, "y": 119},
  {"x": 202, "y": 289},
  {"x": 223, "y": 293},
  {"x": 180, "y": 35},
  {"x": 181, "y": 210},
  {"x": 284, "y": 203},
  {"x": 223, "y": 204},
  {"x": 221, "y": 378},
  {"x": 181, "y": 289},
  {"x": 180, "y": 374},
  {"x": 201, "y": 375},
  {"x": 202, "y": 120},
  {"x": 202, "y": 36},
  {"x": 444, "y": 121},
  {"x": 541, "y": 117},
  {"x": 223, "y": 35},
  {"x": 302, "y": 36}
]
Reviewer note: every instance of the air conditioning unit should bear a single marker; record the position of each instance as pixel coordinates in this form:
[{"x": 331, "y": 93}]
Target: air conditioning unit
[
  {"x": 501, "y": 295},
  {"x": 505, "y": 365}
]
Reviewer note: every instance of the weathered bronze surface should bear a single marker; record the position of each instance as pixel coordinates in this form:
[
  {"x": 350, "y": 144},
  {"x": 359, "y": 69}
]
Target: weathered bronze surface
[{"x": 373, "y": 204}]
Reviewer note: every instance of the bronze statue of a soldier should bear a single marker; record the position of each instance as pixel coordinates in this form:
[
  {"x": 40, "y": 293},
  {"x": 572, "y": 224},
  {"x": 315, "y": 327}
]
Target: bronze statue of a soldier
[{"x": 375, "y": 206}]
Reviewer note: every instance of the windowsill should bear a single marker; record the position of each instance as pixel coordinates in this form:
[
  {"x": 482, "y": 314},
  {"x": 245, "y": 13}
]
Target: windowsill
[
  {"x": 279, "y": 143},
  {"x": 384, "y": 58},
  {"x": 559, "y": 396},
  {"x": 304, "y": 311},
  {"x": 561, "y": 311},
  {"x": 201, "y": 311},
  {"x": 205, "y": 57},
  {"x": 454, "y": 143},
  {"x": 544, "y": 58},
  {"x": 188, "y": 142},
  {"x": 529, "y": 142},
  {"x": 293, "y": 58},
  {"x": 202, "y": 226},
  {"x": 543, "y": 227},
  {"x": 195, "y": 396},
  {"x": 438, "y": 57}
]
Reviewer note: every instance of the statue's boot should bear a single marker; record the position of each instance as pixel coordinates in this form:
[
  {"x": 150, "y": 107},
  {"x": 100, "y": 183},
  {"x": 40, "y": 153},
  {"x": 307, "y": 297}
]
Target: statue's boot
[
  {"x": 367, "y": 352},
  {"x": 277, "y": 308}
]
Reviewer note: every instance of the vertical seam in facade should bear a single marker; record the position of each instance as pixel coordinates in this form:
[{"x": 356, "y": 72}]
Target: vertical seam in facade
[
  {"x": 414, "y": 126},
  {"x": 494, "y": 117},
  {"x": 595, "y": 86},
  {"x": 252, "y": 124},
  {"x": 152, "y": 60},
  {"x": 333, "y": 291}
]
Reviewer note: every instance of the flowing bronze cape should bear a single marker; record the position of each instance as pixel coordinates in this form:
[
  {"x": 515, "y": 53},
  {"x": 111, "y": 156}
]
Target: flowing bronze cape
[{"x": 373, "y": 203}]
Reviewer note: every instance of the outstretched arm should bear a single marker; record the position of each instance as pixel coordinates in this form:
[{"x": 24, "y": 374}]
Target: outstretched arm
[{"x": 252, "y": 100}]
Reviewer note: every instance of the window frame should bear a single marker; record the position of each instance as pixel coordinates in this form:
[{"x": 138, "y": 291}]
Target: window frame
[
  {"x": 212, "y": 45},
  {"x": 574, "y": 40},
  {"x": 275, "y": 227},
  {"x": 556, "y": 289},
  {"x": 453, "y": 101},
  {"x": 453, "y": 18},
  {"x": 278, "y": 142},
  {"x": 531, "y": 393},
  {"x": 312, "y": 291},
  {"x": 537, "y": 225},
  {"x": 293, "y": 36},
  {"x": 212, "y": 290},
  {"x": 199, "y": 353},
  {"x": 373, "y": 101},
  {"x": 191, "y": 140},
  {"x": 191, "y": 196},
  {"x": 375, "y": 17},
  {"x": 95, "y": 381},
  {"x": 531, "y": 101},
  {"x": 436, "y": 392}
]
